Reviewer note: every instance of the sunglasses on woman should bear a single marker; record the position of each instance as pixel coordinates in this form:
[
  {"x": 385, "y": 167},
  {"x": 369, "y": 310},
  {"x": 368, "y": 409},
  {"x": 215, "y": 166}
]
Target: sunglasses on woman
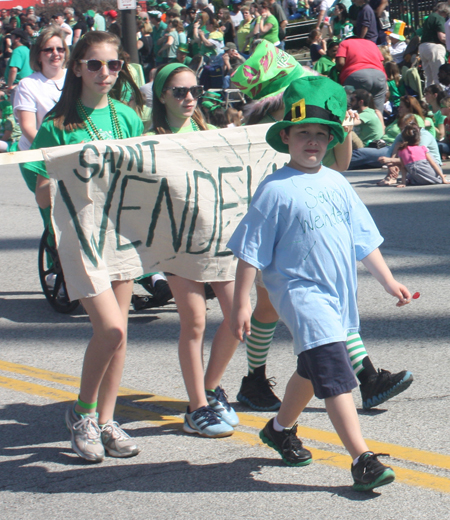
[
  {"x": 181, "y": 92},
  {"x": 50, "y": 50},
  {"x": 96, "y": 65}
]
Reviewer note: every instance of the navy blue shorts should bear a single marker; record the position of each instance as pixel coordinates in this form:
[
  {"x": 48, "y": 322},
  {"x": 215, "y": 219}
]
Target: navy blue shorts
[{"x": 329, "y": 369}]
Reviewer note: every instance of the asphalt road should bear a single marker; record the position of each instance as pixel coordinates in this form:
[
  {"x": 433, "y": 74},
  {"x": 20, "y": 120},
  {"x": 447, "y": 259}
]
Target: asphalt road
[{"x": 187, "y": 476}]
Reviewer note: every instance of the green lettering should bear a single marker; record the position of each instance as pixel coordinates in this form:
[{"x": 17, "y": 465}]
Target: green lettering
[
  {"x": 95, "y": 167},
  {"x": 177, "y": 235},
  {"x": 207, "y": 176},
  {"x": 135, "y": 157},
  {"x": 223, "y": 207},
  {"x": 151, "y": 144},
  {"x": 125, "y": 181}
]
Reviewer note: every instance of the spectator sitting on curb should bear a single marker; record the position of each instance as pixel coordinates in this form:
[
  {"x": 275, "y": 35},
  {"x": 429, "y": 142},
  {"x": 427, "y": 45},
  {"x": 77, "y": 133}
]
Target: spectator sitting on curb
[{"x": 369, "y": 127}]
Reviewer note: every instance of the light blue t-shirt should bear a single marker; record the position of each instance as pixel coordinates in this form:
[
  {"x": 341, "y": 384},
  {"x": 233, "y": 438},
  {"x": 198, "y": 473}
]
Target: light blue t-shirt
[
  {"x": 426, "y": 139},
  {"x": 306, "y": 232}
]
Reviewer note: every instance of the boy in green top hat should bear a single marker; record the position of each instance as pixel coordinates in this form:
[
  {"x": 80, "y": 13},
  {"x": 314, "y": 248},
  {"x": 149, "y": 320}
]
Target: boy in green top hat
[{"x": 305, "y": 230}]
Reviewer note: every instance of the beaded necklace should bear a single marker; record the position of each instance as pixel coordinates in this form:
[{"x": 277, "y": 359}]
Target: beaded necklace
[
  {"x": 194, "y": 125},
  {"x": 90, "y": 127}
]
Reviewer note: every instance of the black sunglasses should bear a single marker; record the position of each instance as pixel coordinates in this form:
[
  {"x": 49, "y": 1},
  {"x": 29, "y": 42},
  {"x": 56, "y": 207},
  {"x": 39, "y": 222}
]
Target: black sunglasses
[
  {"x": 96, "y": 65},
  {"x": 181, "y": 92},
  {"x": 49, "y": 50}
]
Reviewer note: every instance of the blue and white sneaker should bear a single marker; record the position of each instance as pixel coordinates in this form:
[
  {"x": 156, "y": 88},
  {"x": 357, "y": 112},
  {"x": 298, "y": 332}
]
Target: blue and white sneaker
[
  {"x": 217, "y": 400},
  {"x": 205, "y": 422}
]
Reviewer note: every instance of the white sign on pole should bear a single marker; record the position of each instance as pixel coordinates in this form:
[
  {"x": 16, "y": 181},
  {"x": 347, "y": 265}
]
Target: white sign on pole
[{"x": 124, "y": 5}]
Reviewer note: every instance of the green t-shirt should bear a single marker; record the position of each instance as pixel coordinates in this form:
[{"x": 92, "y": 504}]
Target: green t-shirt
[
  {"x": 431, "y": 128},
  {"x": 391, "y": 132},
  {"x": 241, "y": 34},
  {"x": 433, "y": 24},
  {"x": 396, "y": 92},
  {"x": 49, "y": 136},
  {"x": 338, "y": 25},
  {"x": 272, "y": 35},
  {"x": 370, "y": 128},
  {"x": 438, "y": 118},
  {"x": 20, "y": 59},
  {"x": 323, "y": 65}
]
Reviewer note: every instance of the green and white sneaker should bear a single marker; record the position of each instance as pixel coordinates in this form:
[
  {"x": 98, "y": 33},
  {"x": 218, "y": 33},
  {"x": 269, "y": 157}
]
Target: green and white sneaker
[
  {"x": 368, "y": 473},
  {"x": 85, "y": 435},
  {"x": 116, "y": 442}
]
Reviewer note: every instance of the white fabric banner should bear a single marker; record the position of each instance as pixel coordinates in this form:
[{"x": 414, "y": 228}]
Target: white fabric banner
[{"x": 154, "y": 203}]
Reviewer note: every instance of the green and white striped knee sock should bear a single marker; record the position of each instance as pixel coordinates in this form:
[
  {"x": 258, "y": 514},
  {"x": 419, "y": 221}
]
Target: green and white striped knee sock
[
  {"x": 258, "y": 343},
  {"x": 361, "y": 363},
  {"x": 356, "y": 351}
]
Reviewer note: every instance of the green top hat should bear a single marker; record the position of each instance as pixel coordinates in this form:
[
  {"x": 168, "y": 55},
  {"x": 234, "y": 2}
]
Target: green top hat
[
  {"x": 183, "y": 47},
  {"x": 311, "y": 99},
  {"x": 397, "y": 29},
  {"x": 267, "y": 72},
  {"x": 347, "y": 31}
]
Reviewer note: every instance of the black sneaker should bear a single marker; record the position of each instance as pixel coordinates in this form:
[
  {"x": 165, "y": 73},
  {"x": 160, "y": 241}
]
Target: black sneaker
[
  {"x": 256, "y": 391},
  {"x": 382, "y": 386},
  {"x": 209, "y": 291},
  {"x": 288, "y": 445},
  {"x": 142, "y": 302},
  {"x": 161, "y": 292},
  {"x": 369, "y": 473}
]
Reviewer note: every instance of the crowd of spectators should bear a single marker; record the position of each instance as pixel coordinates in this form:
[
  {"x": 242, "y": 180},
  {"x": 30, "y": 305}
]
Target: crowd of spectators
[{"x": 382, "y": 63}]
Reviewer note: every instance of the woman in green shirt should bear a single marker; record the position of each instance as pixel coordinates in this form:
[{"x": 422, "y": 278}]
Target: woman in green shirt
[
  {"x": 88, "y": 110},
  {"x": 268, "y": 26},
  {"x": 175, "y": 96}
]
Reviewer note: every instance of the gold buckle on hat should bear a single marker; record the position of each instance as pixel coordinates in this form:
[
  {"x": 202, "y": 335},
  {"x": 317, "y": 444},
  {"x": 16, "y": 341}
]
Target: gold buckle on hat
[{"x": 298, "y": 111}]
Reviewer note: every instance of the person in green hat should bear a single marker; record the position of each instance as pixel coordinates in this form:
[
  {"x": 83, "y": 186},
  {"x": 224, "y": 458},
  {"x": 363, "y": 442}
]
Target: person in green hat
[
  {"x": 264, "y": 77},
  {"x": 9, "y": 129},
  {"x": 305, "y": 229},
  {"x": 183, "y": 54}
]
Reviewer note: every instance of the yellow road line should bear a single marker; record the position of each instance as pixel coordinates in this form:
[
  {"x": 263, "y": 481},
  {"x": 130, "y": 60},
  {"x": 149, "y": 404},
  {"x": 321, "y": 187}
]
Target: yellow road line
[
  {"x": 405, "y": 476},
  {"x": 400, "y": 452}
]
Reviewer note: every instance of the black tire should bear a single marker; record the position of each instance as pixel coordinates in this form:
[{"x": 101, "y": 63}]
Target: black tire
[{"x": 48, "y": 254}]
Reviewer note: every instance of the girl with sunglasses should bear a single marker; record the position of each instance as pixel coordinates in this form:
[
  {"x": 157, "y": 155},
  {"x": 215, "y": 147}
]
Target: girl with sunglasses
[
  {"x": 175, "y": 96},
  {"x": 89, "y": 110}
]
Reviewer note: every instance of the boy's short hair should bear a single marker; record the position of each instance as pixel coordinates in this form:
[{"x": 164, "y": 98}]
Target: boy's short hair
[{"x": 364, "y": 96}]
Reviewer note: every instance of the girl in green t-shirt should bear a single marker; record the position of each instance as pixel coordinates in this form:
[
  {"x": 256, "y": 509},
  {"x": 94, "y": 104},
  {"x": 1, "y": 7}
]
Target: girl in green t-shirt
[
  {"x": 433, "y": 96},
  {"x": 175, "y": 96},
  {"x": 86, "y": 111},
  {"x": 268, "y": 26},
  {"x": 394, "y": 83}
]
